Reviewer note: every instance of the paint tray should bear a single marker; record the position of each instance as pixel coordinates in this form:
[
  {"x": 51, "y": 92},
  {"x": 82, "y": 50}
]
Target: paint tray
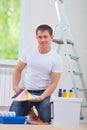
[{"x": 12, "y": 120}]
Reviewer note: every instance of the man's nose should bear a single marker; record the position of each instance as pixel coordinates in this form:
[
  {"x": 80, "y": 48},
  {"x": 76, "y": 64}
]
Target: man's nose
[{"x": 42, "y": 39}]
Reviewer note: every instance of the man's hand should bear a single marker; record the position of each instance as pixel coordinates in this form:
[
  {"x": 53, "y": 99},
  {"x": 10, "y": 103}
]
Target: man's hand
[
  {"x": 37, "y": 99},
  {"x": 17, "y": 89}
]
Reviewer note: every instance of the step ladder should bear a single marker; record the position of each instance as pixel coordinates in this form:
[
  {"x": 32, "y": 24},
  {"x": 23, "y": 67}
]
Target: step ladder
[{"x": 66, "y": 42}]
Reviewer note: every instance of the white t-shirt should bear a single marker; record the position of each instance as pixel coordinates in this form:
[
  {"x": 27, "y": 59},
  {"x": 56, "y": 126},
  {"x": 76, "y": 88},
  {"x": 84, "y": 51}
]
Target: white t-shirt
[{"x": 39, "y": 67}]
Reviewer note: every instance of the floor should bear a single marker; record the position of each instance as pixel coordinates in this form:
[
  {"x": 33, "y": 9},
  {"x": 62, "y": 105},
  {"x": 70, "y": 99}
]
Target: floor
[{"x": 83, "y": 123}]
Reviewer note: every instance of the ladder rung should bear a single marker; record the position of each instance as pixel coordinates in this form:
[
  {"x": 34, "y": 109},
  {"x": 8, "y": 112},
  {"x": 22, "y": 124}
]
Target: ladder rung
[
  {"x": 84, "y": 105},
  {"x": 77, "y": 73},
  {"x": 61, "y": 1},
  {"x": 82, "y": 89},
  {"x": 74, "y": 58},
  {"x": 59, "y": 41},
  {"x": 70, "y": 42}
]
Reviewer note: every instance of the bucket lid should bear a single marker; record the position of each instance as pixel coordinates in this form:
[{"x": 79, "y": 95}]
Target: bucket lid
[{"x": 65, "y": 99}]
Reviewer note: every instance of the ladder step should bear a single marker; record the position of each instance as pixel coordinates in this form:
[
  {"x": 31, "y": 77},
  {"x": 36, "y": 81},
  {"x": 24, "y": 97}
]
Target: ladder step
[
  {"x": 60, "y": 41},
  {"x": 77, "y": 73},
  {"x": 84, "y": 105},
  {"x": 70, "y": 42},
  {"x": 61, "y": 1},
  {"x": 74, "y": 58},
  {"x": 82, "y": 89}
]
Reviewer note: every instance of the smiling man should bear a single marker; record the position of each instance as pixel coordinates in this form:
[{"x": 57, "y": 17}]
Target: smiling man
[{"x": 44, "y": 67}]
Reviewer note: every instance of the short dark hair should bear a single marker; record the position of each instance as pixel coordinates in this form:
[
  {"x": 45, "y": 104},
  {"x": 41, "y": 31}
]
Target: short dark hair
[{"x": 44, "y": 27}]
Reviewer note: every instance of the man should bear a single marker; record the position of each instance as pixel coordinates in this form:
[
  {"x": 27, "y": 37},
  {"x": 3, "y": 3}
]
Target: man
[{"x": 43, "y": 70}]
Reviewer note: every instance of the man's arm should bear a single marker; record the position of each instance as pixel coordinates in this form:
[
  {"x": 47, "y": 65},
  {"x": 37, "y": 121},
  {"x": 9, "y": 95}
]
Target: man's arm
[
  {"x": 54, "y": 81},
  {"x": 50, "y": 89},
  {"x": 17, "y": 76}
]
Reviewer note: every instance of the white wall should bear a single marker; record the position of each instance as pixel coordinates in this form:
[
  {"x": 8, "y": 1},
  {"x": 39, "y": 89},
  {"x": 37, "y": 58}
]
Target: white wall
[
  {"x": 33, "y": 13},
  {"x": 36, "y": 12}
]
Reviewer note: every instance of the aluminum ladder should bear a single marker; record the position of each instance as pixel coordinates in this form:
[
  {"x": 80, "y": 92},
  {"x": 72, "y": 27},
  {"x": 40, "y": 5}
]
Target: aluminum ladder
[{"x": 66, "y": 42}]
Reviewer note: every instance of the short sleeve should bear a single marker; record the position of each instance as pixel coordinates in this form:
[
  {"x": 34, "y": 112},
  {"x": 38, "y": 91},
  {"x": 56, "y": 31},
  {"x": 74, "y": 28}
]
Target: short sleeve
[
  {"x": 26, "y": 53},
  {"x": 57, "y": 64},
  {"x": 23, "y": 55}
]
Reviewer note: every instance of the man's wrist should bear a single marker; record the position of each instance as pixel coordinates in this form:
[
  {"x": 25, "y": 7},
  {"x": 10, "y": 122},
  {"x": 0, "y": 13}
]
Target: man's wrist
[{"x": 16, "y": 89}]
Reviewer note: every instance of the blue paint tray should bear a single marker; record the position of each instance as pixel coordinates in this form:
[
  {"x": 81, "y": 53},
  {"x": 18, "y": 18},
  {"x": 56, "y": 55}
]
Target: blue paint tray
[{"x": 12, "y": 120}]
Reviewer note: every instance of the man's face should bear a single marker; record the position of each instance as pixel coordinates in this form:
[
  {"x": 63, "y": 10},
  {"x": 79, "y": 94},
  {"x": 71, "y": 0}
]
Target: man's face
[{"x": 44, "y": 38}]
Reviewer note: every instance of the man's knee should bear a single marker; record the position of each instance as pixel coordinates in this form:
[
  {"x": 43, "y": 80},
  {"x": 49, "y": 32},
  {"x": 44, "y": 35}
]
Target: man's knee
[
  {"x": 45, "y": 118},
  {"x": 20, "y": 108}
]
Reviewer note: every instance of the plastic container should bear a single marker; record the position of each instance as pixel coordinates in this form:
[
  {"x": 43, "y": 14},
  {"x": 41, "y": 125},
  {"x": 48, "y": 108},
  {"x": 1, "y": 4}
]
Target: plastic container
[
  {"x": 64, "y": 93},
  {"x": 66, "y": 111},
  {"x": 70, "y": 94},
  {"x": 12, "y": 120},
  {"x": 60, "y": 93}
]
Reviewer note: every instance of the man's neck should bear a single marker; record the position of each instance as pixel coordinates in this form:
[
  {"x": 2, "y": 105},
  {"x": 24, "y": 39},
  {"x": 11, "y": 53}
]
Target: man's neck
[{"x": 44, "y": 49}]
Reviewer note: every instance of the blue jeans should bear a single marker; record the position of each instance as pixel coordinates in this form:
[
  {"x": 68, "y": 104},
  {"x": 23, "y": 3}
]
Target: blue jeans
[{"x": 23, "y": 108}]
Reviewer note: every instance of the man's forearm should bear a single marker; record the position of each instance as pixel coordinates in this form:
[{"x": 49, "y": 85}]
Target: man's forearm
[
  {"x": 49, "y": 91},
  {"x": 16, "y": 79},
  {"x": 17, "y": 76}
]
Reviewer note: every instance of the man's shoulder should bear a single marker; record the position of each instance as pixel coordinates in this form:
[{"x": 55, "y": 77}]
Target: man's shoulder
[
  {"x": 26, "y": 52},
  {"x": 55, "y": 53},
  {"x": 28, "y": 49}
]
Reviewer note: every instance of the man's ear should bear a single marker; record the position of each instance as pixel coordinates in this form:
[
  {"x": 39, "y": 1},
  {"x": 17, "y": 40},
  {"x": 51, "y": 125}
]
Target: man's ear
[{"x": 52, "y": 37}]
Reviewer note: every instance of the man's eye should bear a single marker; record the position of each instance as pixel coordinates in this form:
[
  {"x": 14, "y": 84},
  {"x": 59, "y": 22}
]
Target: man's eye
[
  {"x": 45, "y": 36},
  {"x": 39, "y": 37}
]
